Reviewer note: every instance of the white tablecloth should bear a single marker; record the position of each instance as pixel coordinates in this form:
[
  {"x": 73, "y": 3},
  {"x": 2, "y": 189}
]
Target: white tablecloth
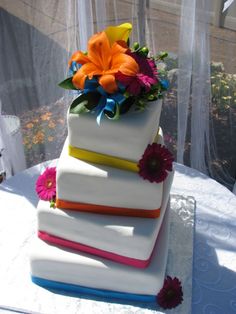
[{"x": 214, "y": 258}]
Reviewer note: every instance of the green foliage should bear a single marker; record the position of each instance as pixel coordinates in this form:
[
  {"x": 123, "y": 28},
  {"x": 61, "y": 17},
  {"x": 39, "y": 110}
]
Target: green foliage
[
  {"x": 67, "y": 84},
  {"x": 85, "y": 102},
  {"x": 155, "y": 93}
]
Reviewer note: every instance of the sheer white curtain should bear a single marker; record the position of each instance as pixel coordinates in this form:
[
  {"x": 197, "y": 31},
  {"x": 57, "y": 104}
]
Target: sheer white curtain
[
  {"x": 194, "y": 81},
  {"x": 37, "y": 38},
  {"x": 197, "y": 109},
  {"x": 33, "y": 60}
]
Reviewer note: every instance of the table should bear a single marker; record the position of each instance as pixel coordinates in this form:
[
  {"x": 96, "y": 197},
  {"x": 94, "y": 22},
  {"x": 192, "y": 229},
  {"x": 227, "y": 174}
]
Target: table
[{"x": 214, "y": 258}]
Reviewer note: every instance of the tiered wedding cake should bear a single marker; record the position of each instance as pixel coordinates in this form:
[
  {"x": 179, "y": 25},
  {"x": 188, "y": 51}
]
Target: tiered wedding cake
[{"x": 108, "y": 231}]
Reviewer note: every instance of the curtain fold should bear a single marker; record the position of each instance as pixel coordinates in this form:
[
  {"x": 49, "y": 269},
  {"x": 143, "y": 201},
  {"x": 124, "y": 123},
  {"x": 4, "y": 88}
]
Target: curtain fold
[
  {"x": 85, "y": 22},
  {"x": 201, "y": 88},
  {"x": 199, "y": 117},
  {"x": 101, "y": 14},
  {"x": 185, "y": 66}
]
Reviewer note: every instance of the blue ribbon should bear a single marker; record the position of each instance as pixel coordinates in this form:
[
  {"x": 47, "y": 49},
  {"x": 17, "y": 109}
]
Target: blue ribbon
[
  {"x": 108, "y": 102},
  {"x": 74, "y": 289},
  {"x": 89, "y": 86},
  {"x": 74, "y": 68}
]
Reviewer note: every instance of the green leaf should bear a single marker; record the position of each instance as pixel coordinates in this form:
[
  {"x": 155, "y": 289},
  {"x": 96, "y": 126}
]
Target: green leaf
[
  {"x": 52, "y": 203},
  {"x": 67, "y": 84},
  {"x": 80, "y": 107},
  {"x": 151, "y": 97},
  {"x": 85, "y": 102}
]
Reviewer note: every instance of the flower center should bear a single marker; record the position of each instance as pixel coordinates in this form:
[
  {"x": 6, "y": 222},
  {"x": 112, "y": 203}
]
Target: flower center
[
  {"x": 49, "y": 184},
  {"x": 153, "y": 164},
  {"x": 170, "y": 294}
]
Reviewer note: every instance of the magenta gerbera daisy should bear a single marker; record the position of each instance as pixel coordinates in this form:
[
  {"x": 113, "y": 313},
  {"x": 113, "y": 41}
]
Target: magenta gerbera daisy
[
  {"x": 46, "y": 185},
  {"x": 171, "y": 294},
  {"x": 145, "y": 78},
  {"x": 155, "y": 163}
]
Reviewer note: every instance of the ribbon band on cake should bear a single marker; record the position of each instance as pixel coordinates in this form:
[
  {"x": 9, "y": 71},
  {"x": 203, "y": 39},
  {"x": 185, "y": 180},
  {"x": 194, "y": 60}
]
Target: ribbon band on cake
[
  {"x": 108, "y": 210},
  {"x": 103, "y": 159},
  {"x": 107, "y": 160}
]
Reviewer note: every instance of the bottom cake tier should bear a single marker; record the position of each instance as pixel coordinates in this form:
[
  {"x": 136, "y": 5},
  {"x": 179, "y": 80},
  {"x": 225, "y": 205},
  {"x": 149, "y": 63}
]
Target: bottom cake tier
[{"x": 62, "y": 269}]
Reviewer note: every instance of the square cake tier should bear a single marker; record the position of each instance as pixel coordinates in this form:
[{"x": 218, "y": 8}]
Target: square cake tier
[
  {"x": 127, "y": 240},
  {"x": 54, "y": 267},
  {"x": 126, "y": 138},
  {"x": 102, "y": 189}
]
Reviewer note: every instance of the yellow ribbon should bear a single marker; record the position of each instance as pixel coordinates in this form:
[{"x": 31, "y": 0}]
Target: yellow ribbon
[{"x": 102, "y": 159}]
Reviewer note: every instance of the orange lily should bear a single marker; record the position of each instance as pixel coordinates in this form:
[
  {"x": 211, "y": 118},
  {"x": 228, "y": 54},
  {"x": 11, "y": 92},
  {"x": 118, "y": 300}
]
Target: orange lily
[{"x": 103, "y": 60}]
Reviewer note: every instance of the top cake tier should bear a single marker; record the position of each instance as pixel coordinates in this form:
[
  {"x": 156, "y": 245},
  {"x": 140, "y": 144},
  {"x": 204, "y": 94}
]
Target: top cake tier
[{"x": 126, "y": 138}]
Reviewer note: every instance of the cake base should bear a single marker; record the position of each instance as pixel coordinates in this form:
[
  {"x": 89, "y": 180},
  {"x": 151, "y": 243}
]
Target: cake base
[{"x": 63, "y": 269}]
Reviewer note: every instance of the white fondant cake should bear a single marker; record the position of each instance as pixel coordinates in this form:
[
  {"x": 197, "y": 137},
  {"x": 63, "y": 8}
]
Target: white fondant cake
[
  {"x": 126, "y": 138},
  {"x": 105, "y": 178},
  {"x": 66, "y": 266},
  {"x": 80, "y": 181},
  {"x": 127, "y": 236}
]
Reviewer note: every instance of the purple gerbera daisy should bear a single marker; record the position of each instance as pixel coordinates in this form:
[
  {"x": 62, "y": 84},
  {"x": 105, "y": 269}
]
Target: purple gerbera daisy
[
  {"x": 46, "y": 184},
  {"x": 145, "y": 78},
  {"x": 171, "y": 294},
  {"x": 155, "y": 162}
]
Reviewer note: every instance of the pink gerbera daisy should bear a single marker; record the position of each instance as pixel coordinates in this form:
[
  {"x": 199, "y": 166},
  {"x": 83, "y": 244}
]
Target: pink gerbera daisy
[
  {"x": 155, "y": 162},
  {"x": 46, "y": 184},
  {"x": 145, "y": 78},
  {"x": 171, "y": 294}
]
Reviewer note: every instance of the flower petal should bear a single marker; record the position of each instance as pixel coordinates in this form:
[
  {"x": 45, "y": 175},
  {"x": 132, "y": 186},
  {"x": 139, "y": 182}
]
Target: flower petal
[
  {"x": 79, "y": 79},
  {"x": 79, "y": 57},
  {"x": 108, "y": 82},
  {"x": 120, "y": 32},
  {"x": 87, "y": 70},
  {"x": 125, "y": 64},
  {"x": 99, "y": 51},
  {"x": 118, "y": 48}
]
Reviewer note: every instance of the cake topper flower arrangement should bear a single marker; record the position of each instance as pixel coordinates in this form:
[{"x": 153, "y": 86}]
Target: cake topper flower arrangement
[{"x": 110, "y": 77}]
